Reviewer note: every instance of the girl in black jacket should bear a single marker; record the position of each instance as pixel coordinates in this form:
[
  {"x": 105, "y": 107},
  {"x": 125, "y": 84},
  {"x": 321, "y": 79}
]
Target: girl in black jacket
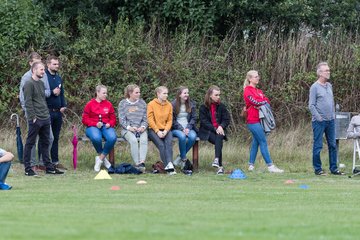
[{"x": 214, "y": 119}]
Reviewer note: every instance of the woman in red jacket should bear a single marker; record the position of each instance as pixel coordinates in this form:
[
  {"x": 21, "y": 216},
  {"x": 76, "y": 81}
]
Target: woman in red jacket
[
  {"x": 100, "y": 120},
  {"x": 254, "y": 98}
]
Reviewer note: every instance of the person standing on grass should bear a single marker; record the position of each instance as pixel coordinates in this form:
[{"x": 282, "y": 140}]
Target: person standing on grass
[
  {"x": 159, "y": 115},
  {"x": 214, "y": 119},
  {"x": 254, "y": 99},
  {"x": 100, "y": 119},
  {"x": 184, "y": 123},
  {"x": 38, "y": 119},
  {"x": 33, "y": 58},
  {"x": 56, "y": 104},
  {"x": 5, "y": 163},
  {"x": 322, "y": 108},
  {"x": 133, "y": 120}
]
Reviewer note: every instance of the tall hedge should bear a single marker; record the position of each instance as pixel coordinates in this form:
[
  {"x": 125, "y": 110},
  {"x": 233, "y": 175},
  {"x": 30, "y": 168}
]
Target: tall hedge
[{"x": 116, "y": 52}]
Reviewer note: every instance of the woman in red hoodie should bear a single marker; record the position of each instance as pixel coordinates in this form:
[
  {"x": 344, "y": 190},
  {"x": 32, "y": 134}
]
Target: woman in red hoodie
[
  {"x": 100, "y": 120},
  {"x": 254, "y": 99}
]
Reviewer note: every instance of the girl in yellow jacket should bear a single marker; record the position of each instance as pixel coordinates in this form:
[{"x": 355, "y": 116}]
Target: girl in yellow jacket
[{"x": 159, "y": 114}]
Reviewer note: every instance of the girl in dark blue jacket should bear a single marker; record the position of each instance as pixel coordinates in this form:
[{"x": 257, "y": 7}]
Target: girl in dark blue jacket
[{"x": 184, "y": 123}]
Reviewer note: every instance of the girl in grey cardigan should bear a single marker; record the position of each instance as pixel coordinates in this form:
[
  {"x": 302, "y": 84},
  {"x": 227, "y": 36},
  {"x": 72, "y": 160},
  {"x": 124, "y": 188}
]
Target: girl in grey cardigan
[{"x": 133, "y": 121}]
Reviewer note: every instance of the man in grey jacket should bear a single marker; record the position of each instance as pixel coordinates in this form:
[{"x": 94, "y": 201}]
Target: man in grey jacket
[
  {"x": 33, "y": 58},
  {"x": 38, "y": 118},
  {"x": 322, "y": 108}
]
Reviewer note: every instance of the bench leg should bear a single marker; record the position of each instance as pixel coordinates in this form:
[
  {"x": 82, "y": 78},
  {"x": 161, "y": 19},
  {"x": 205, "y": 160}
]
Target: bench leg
[
  {"x": 112, "y": 157},
  {"x": 196, "y": 156}
]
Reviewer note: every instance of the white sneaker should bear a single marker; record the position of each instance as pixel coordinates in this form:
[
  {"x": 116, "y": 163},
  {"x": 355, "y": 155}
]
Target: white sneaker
[
  {"x": 172, "y": 173},
  {"x": 98, "y": 164},
  {"x": 215, "y": 163},
  {"x": 169, "y": 167},
  {"x": 220, "y": 171},
  {"x": 107, "y": 163},
  {"x": 251, "y": 168},
  {"x": 177, "y": 160},
  {"x": 274, "y": 169}
]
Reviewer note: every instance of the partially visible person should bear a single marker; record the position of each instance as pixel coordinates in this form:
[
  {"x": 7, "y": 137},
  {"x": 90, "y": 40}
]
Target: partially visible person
[
  {"x": 322, "y": 108},
  {"x": 33, "y": 58},
  {"x": 184, "y": 123},
  {"x": 353, "y": 130},
  {"x": 159, "y": 115},
  {"x": 133, "y": 120},
  {"x": 254, "y": 98},
  {"x": 214, "y": 120},
  {"x": 100, "y": 119},
  {"x": 38, "y": 120},
  {"x": 56, "y": 104},
  {"x": 5, "y": 163}
]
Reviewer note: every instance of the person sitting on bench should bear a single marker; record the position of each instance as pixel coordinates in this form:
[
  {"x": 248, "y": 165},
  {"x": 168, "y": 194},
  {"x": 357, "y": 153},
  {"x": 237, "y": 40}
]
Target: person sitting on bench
[
  {"x": 159, "y": 115},
  {"x": 353, "y": 130},
  {"x": 184, "y": 123},
  {"x": 5, "y": 163},
  {"x": 133, "y": 120},
  {"x": 100, "y": 119}
]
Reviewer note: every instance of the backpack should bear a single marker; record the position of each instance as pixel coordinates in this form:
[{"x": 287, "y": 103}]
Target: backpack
[
  {"x": 158, "y": 167},
  {"x": 244, "y": 113}
]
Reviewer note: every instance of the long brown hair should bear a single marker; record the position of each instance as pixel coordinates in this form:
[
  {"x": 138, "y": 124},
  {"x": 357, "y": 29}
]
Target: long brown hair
[
  {"x": 178, "y": 100},
  {"x": 207, "y": 99}
]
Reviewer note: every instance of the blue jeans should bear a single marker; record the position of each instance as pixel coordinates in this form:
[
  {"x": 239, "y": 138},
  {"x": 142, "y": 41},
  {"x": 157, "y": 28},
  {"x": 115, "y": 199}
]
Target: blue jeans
[
  {"x": 4, "y": 169},
  {"x": 319, "y": 128},
  {"x": 185, "y": 142},
  {"x": 97, "y": 134},
  {"x": 259, "y": 139}
]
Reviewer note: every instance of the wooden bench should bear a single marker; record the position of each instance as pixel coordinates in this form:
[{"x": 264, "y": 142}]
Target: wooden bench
[{"x": 195, "y": 151}]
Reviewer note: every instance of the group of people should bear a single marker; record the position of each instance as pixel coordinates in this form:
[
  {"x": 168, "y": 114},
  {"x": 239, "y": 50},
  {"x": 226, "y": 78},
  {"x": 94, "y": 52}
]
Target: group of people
[
  {"x": 42, "y": 99},
  {"x": 161, "y": 120}
]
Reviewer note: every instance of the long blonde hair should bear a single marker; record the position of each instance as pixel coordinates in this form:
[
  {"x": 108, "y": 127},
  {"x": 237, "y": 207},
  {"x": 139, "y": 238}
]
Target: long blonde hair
[
  {"x": 160, "y": 89},
  {"x": 249, "y": 74},
  {"x": 130, "y": 89}
]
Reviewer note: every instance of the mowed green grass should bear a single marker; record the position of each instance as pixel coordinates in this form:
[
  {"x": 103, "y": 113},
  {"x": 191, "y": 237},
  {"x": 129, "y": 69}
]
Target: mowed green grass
[{"x": 202, "y": 206}]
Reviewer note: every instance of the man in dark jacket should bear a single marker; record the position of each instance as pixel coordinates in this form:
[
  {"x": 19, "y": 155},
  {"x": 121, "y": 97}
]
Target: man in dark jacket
[{"x": 56, "y": 104}]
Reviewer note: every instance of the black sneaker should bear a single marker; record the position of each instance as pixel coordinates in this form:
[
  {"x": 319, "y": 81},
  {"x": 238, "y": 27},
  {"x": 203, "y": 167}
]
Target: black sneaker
[
  {"x": 31, "y": 173},
  {"x": 320, "y": 173},
  {"x": 53, "y": 171},
  {"x": 337, "y": 172},
  {"x": 187, "y": 172}
]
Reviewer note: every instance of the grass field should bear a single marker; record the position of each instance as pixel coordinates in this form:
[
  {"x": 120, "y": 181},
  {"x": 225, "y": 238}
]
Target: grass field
[{"x": 202, "y": 206}]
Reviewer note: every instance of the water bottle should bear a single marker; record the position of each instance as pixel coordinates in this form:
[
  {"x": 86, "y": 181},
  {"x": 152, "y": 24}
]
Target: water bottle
[{"x": 100, "y": 120}]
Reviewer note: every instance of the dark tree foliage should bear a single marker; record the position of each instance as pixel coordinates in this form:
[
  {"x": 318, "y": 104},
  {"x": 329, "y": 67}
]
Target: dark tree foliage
[{"x": 210, "y": 16}]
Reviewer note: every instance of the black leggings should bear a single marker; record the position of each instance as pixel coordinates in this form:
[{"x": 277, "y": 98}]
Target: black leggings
[{"x": 217, "y": 140}]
